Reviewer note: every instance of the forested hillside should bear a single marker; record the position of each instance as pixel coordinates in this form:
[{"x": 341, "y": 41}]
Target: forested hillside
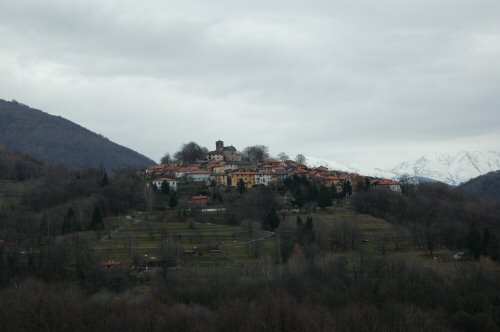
[
  {"x": 439, "y": 216},
  {"x": 56, "y": 140},
  {"x": 83, "y": 251},
  {"x": 485, "y": 185}
]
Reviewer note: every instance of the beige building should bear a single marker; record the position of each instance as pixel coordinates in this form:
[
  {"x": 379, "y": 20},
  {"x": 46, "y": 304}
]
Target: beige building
[
  {"x": 220, "y": 179},
  {"x": 247, "y": 177},
  {"x": 223, "y": 153}
]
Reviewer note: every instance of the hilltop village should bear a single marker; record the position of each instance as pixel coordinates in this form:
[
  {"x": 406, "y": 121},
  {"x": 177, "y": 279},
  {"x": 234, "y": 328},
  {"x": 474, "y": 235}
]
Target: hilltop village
[{"x": 226, "y": 168}]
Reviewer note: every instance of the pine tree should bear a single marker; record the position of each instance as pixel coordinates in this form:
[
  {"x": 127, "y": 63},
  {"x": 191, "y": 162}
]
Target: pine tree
[
  {"x": 324, "y": 197},
  {"x": 241, "y": 186},
  {"x": 473, "y": 240},
  {"x": 272, "y": 220},
  {"x": 104, "y": 180},
  {"x": 69, "y": 222},
  {"x": 96, "y": 222},
  {"x": 347, "y": 188},
  {"x": 309, "y": 230},
  {"x": 165, "y": 187},
  {"x": 173, "y": 201}
]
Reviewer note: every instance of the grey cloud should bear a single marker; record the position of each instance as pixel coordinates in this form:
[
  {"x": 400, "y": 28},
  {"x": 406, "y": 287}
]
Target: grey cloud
[{"x": 293, "y": 75}]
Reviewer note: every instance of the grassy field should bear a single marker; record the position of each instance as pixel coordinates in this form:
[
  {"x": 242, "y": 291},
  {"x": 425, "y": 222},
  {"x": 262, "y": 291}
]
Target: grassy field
[
  {"x": 10, "y": 193},
  {"x": 378, "y": 237},
  {"x": 135, "y": 239},
  {"x": 143, "y": 239}
]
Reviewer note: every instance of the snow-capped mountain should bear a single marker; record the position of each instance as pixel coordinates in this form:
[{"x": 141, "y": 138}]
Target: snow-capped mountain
[{"x": 450, "y": 168}]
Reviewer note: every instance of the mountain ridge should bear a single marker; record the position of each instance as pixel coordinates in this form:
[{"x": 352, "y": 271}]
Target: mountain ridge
[
  {"x": 56, "y": 140},
  {"x": 486, "y": 185},
  {"x": 449, "y": 168}
]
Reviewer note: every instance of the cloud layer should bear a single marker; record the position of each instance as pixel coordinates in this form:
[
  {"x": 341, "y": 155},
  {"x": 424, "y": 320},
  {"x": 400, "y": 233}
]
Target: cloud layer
[{"x": 356, "y": 81}]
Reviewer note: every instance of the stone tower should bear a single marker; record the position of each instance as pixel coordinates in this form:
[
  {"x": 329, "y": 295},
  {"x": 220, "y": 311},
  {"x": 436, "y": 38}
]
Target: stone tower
[{"x": 219, "y": 146}]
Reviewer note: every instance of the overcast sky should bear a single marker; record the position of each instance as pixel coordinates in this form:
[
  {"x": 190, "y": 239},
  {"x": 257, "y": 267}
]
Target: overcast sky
[{"x": 360, "y": 82}]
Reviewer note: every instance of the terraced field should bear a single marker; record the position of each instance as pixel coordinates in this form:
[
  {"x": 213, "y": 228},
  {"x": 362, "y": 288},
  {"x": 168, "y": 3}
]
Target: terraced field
[
  {"x": 137, "y": 239},
  {"x": 10, "y": 193},
  {"x": 142, "y": 239},
  {"x": 377, "y": 236}
]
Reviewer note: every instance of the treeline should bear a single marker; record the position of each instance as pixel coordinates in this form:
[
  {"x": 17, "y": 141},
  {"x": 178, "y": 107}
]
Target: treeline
[
  {"x": 119, "y": 193},
  {"x": 16, "y": 166},
  {"x": 304, "y": 191},
  {"x": 487, "y": 185},
  {"x": 63, "y": 259},
  {"x": 358, "y": 294},
  {"x": 52, "y": 200},
  {"x": 439, "y": 215}
]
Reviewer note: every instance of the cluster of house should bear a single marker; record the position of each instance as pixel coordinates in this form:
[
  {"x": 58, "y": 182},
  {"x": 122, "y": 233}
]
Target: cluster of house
[{"x": 224, "y": 167}]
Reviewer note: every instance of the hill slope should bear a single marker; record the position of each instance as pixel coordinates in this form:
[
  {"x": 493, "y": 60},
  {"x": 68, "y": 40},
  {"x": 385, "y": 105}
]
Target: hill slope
[
  {"x": 53, "y": 139},
  {"x": 485, "y": 185}
]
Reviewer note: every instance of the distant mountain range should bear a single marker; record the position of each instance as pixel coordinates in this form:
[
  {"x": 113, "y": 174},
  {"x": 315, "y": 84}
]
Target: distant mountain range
[
  {"x": 55, "y": 140},
  {"x": 452, "y": 169}
]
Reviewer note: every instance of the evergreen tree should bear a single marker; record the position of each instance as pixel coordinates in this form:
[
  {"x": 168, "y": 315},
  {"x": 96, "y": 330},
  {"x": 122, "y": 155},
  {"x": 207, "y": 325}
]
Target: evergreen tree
[
  {"x": 241, "y": 186},
  {"x": 299, "y": 231},
  {"x": 96, "y": 221},
  {"x": 69, "y": 222},
  {"x": 324, "y": 197},
  {"x": 309, "y": 230},
  {"x": 173, "y": 201},
  {"x": 473, "y": 240},
  {"x": 367, "y": 184},
  {"x": 104, "y": 180},
  {"x": 347, "y": 188},
  {"x": 165, "y": 187},
  {"x": 272, "y": 220}
]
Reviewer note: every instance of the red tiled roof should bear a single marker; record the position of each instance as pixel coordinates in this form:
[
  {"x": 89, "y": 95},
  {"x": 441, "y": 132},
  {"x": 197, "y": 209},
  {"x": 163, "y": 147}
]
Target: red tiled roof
[{"x": 385, "y": 182}]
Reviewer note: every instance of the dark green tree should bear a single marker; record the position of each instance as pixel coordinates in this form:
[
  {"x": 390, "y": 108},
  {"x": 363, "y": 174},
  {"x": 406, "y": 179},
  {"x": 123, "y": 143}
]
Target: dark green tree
[
  {"x": 173, "y": 201},
  {"x": 96, "y": 223},
  {"x": 69, "y": 222},
  {"x": 165, "y": 188},
  {"x": 309, "y": 230},
  {"x": 104, "y": 180},
  {"x": 324, "y": 197},
  {"x": 241, "y": 186},
  {"x": 299, "y": 231},
  {"x": 367, "y": 184},
  {"x": 347, "y": 188},
  {"x": 473, "y": 240},
  {"x": 272, "y": 220}
]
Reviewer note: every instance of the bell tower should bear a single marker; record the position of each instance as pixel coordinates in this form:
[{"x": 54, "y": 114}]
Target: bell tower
[{"x": 219, "y": 146}]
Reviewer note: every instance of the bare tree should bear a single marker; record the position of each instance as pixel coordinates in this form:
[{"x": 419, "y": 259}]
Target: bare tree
[
  {"x": 256, "y": 153},
  {"x": 300, "y": 158},
  {"x": 190, "y": 152},
  {"x": 282, "y": 156},
  {"x": 166, "y": 159}
]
